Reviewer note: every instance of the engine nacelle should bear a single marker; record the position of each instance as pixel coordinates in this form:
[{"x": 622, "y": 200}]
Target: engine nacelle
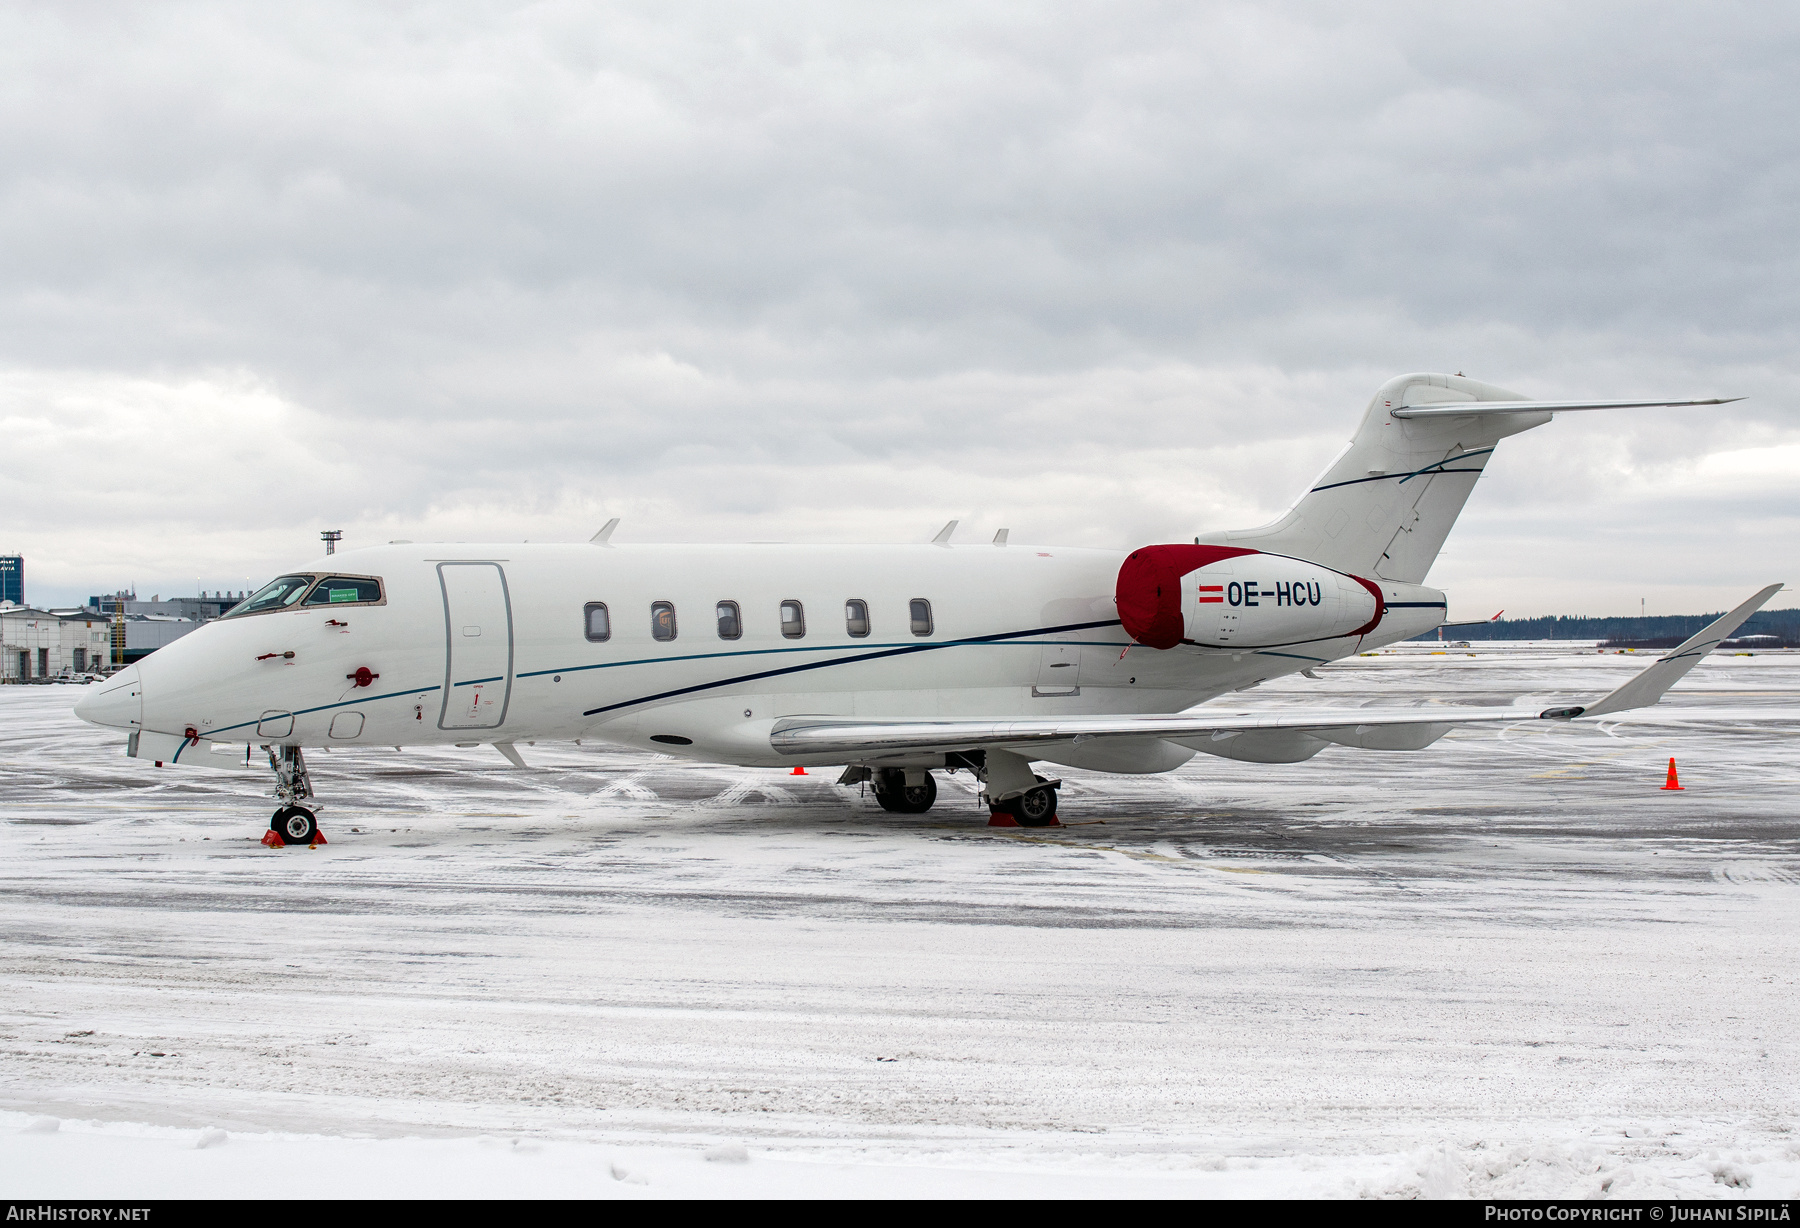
[{"x": 1229, "y": 597}]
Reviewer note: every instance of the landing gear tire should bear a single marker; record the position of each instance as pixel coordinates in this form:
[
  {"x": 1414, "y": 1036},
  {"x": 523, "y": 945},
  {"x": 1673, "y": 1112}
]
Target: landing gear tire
[
  {"x": 898, "y": 797},
  {"x": 1034, "y": 807},
  {"x": 295, "y": 824}
]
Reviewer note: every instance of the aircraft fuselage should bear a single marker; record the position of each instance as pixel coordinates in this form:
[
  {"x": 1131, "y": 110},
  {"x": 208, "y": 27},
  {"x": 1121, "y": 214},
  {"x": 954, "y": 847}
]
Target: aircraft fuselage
[{"x": 494, "y": 643}]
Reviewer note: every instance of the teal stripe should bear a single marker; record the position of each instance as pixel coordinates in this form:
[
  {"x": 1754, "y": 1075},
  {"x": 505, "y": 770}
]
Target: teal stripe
[
  {"x": 348, "y": 703},
  {"x": 761, "y": 652}
]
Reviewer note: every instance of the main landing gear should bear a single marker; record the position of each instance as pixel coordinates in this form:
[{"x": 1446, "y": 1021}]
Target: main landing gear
[
  {"x": 1016, "y": 796},
  {"x": 899, "y": 796},
  {"x": 1036, "y": 807},
  {"x": 292, "y": 822}
]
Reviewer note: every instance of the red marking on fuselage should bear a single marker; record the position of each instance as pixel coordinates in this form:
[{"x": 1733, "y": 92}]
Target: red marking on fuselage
[{"x": 1148, "y": 591}]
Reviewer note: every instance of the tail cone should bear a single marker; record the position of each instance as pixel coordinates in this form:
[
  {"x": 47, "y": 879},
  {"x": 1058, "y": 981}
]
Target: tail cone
[
  {"x": 798, "y": 771},
  {"x": 1674, "y": 781}
]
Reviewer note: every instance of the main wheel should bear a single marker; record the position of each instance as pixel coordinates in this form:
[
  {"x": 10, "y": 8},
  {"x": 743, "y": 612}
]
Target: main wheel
[
  {"x": 295, "y": 824},
  {"x": 902, "y": 798},
  {"x": 1034, "y": 807}
]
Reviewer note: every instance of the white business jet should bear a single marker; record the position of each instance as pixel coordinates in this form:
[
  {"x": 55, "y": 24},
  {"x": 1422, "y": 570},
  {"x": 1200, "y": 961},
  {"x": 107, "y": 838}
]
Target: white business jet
[{"x": 899, "y": 661}]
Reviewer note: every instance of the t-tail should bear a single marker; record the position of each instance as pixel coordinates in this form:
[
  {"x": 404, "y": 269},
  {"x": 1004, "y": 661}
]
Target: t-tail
[{"x": 1383, "y": 508}]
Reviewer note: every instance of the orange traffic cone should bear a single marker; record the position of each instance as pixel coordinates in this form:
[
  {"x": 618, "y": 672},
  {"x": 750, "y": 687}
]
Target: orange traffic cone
[
  {"x": 798, "y": 771},
  {"x": 1674, "y": 781}
]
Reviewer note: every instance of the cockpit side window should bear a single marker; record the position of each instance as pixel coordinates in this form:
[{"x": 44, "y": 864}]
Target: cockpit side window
[
  {"x": 345, "y": 590},
  {"x": 277, "y": 594}
]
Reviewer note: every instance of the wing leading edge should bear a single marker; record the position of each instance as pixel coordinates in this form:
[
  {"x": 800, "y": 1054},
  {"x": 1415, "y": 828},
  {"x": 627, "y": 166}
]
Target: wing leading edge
[{"x": 805, "y": 735}]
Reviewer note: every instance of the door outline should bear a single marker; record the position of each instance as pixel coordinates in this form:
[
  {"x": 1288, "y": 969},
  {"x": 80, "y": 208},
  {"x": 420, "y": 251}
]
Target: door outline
[
  {"x": 1064, "y": 654},
  {"x": 450, "y": 645}
]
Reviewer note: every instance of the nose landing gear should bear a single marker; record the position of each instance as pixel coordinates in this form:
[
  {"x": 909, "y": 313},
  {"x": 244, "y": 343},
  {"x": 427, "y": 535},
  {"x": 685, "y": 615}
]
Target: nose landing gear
[{"x": 292, "y": 822}]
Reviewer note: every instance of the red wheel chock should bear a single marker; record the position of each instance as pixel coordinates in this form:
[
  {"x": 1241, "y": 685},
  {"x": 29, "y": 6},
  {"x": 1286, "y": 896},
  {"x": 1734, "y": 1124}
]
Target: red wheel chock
[
  {"x": 272, "y": 839},
  {"x": 999, "y": 818},
  {"x": 318, "y": 839}
]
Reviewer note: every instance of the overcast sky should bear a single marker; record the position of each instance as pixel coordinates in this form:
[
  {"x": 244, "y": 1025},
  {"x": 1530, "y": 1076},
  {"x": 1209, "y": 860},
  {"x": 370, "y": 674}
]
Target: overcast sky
[{"x": 1104, "y": 274}]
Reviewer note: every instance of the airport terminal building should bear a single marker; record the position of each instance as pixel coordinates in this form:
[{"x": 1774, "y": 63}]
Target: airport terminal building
[{"x": 43, "y": 643}]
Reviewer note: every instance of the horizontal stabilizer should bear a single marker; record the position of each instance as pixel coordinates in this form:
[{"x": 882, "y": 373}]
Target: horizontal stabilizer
[
  {"x": 1466, "y": 409},
  {"x": 1472, "y": 622}
]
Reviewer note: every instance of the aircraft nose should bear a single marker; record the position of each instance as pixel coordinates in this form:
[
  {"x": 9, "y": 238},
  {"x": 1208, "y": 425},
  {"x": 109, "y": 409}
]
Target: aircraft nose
[{"x": 117, "y": 703}]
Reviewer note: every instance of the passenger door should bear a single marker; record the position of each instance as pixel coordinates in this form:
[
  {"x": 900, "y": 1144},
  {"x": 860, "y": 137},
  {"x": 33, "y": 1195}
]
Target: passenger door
[{"x": 478, "y": 668}]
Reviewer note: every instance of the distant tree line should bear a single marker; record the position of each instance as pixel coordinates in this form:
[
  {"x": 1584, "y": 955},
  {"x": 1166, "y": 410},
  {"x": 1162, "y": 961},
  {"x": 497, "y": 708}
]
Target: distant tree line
[{"x": 1627, "y": 632}]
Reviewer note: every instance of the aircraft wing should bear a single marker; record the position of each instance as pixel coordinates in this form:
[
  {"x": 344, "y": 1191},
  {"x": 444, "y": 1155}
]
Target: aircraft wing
[{"x": 825, "y": 735}]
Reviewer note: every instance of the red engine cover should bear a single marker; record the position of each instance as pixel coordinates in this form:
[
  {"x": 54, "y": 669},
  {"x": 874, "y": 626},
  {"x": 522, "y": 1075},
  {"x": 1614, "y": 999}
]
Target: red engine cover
[{"x": 1149, "y": 589}]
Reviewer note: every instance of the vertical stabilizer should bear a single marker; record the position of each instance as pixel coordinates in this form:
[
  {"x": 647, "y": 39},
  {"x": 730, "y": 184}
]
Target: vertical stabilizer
[{"x": 1385, "y": 505}]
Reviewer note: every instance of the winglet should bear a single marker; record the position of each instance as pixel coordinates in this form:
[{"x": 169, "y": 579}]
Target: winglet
[
  {"x": 1000, "y": 536},
  {"x": 943, "y": 537},
  {"x": 604, "y": 536},
  {"x": 1650, "y": 686}
]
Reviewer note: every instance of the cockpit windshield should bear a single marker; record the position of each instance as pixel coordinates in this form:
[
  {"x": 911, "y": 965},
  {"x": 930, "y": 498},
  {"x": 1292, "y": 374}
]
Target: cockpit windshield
[{"x": 278, "y": 594}]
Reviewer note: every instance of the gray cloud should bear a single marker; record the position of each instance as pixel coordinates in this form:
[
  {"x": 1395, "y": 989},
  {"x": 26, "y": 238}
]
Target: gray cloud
[{"x": 1103, "y": 273}]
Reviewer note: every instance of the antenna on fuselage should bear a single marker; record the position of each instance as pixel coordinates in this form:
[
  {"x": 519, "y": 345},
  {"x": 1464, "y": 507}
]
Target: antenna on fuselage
[
  {"x": 943, "y": 537},
  {"x": 604, "y": 536}
]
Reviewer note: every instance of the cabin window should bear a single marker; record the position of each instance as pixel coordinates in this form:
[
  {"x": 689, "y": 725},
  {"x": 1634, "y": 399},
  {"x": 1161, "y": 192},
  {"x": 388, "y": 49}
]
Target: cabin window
[
  {"x": 921, "y": 616},
  {"x": 345, "y": 590},
  {"x": 662, "y": 621},
  {"x": 856, "y": 618},
  {"x": 731, "y": 624},
  {"x": 793, "y": 620},
  {"x": 599, "y": 622}
]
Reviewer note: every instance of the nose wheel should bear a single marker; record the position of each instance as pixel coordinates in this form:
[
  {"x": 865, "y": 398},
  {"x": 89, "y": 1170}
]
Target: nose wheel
[{"x": 295, "y": 825}]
